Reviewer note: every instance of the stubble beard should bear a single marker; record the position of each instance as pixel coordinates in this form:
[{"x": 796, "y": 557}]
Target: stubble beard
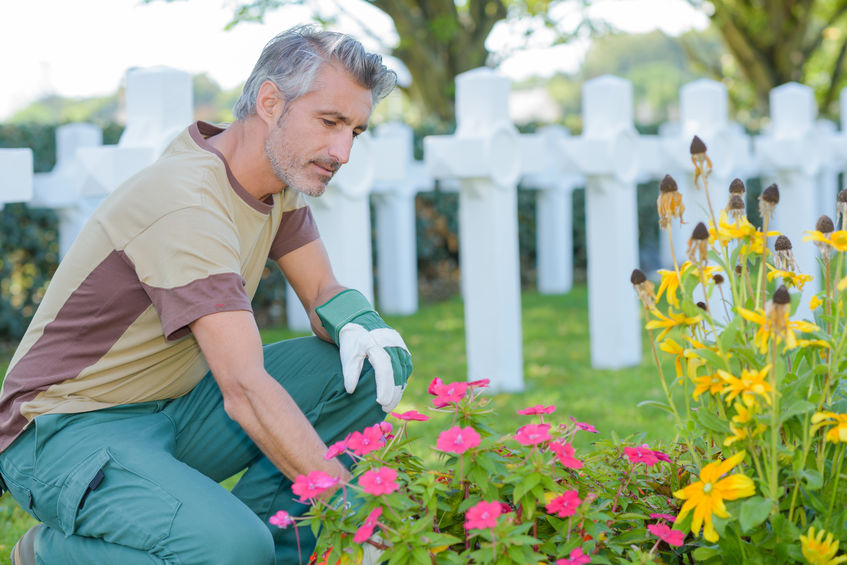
[{"x": 290, "y": 172}]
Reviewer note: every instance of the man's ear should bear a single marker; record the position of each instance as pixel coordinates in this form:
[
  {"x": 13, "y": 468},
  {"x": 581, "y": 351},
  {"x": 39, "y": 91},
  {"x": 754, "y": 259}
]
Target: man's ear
[{"x": 269, "y": 102}]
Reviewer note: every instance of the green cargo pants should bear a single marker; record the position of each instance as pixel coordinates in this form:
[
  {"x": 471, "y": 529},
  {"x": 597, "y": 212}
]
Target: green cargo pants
[{"x": 140, "y": 483}]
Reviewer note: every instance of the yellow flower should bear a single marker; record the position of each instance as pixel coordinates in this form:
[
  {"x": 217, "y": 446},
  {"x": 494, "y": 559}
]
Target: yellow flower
[
  {"x": 680, "y": 353},
  {"x": 838, "y": 433},
  {"x": 790, "y": 278},
  {"x": 750, "y": 383},
  {"x": 766, "y": 326},
  {"x": 815, "y": 302},
  {"x": 706, "y": 496},
  {"x": 711, "y": 383},
  {"x": 820, "y": 551},
  {"x": 670, "y": 283},
  {"x": 737, "y": 435},
  {"x": 670, "y": 321},
  {"x": 729, "y": 230},
  {"x": 836, "y": 239}
]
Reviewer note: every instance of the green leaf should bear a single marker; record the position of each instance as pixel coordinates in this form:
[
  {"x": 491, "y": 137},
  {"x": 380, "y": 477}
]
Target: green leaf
[
  {"x": 711, "y": 422},
  {"x": 812, "y": 478},
  {"x": 712, "y": 358},
  {"x": 662, "y": 405},
  {"x": 754, "y": 511},
  {"x": 798, "y": 406},
  {"x": 704, "y": 553}
]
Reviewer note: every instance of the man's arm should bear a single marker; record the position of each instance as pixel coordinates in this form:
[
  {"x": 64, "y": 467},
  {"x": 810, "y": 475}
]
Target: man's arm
[
  {"x": 308, "y": 271},
  {"x": 232, "y": 346}
]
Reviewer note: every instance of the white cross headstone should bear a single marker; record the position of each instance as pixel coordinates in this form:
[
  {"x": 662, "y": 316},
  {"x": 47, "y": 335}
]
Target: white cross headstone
[
  {"x": 158, "y": 107},
  {"x": 826, "y": 187},
  {"x": 343, "y": 217},
  {"x": 64, "y": 188},
  {"x": 15, "y": 175},
  {"x": 793, "y": 151},
  {"x": 607, "y": 154},
  {"x": 398, "y": 178},
  {"x": 547, "y": 169},
  {"x": 484, "y": 154}
]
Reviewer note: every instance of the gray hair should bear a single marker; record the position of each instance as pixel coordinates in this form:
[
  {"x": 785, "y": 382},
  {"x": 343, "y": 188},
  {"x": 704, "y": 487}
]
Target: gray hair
[{"x": 292, "y": 59}]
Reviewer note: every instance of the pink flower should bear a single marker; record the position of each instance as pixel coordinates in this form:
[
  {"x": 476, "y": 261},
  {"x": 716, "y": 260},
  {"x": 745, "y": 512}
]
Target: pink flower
[
  {"x": 482, "y": 516},
  {"x": 457, "y": 440},
  {"x": 386, "y": 428},
  {"x": 481, "y": 383},
  {"x": 584, "y": 427},
  {"x": 369, "y": 439},
  {"x": 662, "y": 456},
  {"x": 664, "y": 533},
  {"x": 641, "y": 454},
  {"x": 311, "y": 485},
  {"x": 336, "y": 449},
  {"x": 367, "y": 528},
  {"x": 565, "y": 504},
  {"x": 532, "y": 434},
  {"x": 379, "y": 481},
  {"x": 577, "y": 557},
  {"x": 668, "y": 517},
  {"x": 281, "y": 519},
  {"x": 435, "y": 385},
  {"x": 448, "y": 393},
  {"x": 565, "y": 452},
  {"x": 537, "y": 409},
  {"x": 410, "y": 415}
]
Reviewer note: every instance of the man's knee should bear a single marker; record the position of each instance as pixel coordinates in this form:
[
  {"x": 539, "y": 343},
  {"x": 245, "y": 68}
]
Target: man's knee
[{"x": 230, "y": 540}]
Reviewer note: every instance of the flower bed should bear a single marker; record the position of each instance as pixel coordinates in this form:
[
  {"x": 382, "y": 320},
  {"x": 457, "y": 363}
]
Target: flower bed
[{"x": 755, "y": 475}]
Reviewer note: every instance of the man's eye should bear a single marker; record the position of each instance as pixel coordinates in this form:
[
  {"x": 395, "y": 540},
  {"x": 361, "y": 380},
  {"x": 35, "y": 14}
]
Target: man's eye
[{"x": 328, "y": 123}]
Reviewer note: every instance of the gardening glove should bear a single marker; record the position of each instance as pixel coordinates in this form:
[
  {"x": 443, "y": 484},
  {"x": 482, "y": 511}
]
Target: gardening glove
[{"x": 360, "y": 333}]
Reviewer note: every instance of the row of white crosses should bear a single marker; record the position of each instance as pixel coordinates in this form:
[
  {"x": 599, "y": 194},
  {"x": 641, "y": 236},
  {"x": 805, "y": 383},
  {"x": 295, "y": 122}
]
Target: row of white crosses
[{"x": 487, "y": 157}]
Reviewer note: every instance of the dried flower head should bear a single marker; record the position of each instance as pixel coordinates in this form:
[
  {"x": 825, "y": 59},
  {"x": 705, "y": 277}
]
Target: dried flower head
[
  {"x": 698, "y": 244},
  {"x": 669, "y": 204},
  {"x": 702, "y": 305},
  {"x": 702, "y": 163},
  {"x": 783, "y": 255},
  {"x": 736, "y": 207},
  {"x": 778, "y": 309},
  {"x": 737, "y": 187},
  {"x": 841, "y": 205},
  {"x": 825, "y": 226},
  {"x": 738, "y": 269},
  {"x": 768, "y": 201},
  {"x": 718, "y": 278},
  {"x": 644, "y": 288}
]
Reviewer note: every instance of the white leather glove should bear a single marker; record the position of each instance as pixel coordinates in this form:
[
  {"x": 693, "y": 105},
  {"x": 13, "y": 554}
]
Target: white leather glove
[
  {"x": 356, "y": 343},
  {"x": 370, "y": 554},
  {"x": 361, "y": 334}
]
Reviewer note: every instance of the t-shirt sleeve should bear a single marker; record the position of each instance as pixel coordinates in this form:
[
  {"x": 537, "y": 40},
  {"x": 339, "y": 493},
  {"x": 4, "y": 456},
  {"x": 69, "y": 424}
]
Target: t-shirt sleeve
[
  {"x": 297, "y": 227},
  {"x": 188, "y": 263}
]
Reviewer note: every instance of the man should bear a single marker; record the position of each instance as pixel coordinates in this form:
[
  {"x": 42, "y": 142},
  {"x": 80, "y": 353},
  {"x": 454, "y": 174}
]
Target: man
[{"x": 142, "y": 382}]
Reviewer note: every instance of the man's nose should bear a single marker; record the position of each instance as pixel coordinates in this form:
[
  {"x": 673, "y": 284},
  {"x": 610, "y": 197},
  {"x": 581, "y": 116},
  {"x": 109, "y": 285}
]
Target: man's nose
[{"x": 341, "y": 146}]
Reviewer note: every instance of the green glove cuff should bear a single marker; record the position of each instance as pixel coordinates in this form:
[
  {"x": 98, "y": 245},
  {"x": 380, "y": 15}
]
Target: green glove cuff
[{"x": 341, "y": 309}]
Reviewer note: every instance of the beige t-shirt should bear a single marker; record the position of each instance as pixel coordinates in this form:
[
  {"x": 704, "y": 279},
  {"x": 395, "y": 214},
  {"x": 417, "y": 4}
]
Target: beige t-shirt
[{"x": 179, "y": 240}]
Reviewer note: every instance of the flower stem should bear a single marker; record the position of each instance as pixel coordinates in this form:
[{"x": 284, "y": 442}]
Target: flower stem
[
  {"x": 835, "y": 486},
  {"x": 774, "y": 462},
  {"x": 760, "y": 293}
]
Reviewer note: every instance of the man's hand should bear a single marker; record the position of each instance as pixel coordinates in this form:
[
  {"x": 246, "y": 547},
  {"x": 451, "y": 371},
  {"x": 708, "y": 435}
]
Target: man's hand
[{"x": 361, "y": 334}]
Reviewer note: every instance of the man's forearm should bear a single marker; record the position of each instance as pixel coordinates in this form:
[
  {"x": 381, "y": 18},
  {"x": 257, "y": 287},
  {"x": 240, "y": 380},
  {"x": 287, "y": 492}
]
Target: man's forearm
[{"x": 280, "y": 429}]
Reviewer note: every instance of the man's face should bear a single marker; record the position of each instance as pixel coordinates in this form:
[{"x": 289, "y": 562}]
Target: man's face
[{"x": 315, "y": 132}]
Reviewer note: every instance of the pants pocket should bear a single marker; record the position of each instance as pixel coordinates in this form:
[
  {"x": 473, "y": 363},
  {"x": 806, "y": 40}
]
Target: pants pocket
[{"x": 105, "y": 497}]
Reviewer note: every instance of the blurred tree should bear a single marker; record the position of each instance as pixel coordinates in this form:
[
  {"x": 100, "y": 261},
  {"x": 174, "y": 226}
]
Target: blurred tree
[
  {"x": 439, "y": 39},
  {"x": 778, "y": 41}
]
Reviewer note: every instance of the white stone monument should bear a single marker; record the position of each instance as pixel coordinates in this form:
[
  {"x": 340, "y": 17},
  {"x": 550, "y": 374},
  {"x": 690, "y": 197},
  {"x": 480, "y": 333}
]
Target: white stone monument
[
  {"x": 68, "y": 189},
  {"x": 484, "y": 154},
  {"x": 547, "y": 168},
  {"x": 793, "y": 151},
  {"x": 398, "y": 178},
  {"x": 607, "y": 154},
  {"x": 343, "y": 217},
  {"x": 15, "y": 175}
]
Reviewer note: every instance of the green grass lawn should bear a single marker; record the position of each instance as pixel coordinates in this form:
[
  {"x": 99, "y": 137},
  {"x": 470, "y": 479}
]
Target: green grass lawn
[{"x": 557, "y": 370}]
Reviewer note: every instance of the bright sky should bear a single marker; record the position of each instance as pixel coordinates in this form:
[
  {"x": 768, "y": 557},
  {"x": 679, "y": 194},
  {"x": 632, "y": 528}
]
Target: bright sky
[{"x": 59, "y": 46}]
